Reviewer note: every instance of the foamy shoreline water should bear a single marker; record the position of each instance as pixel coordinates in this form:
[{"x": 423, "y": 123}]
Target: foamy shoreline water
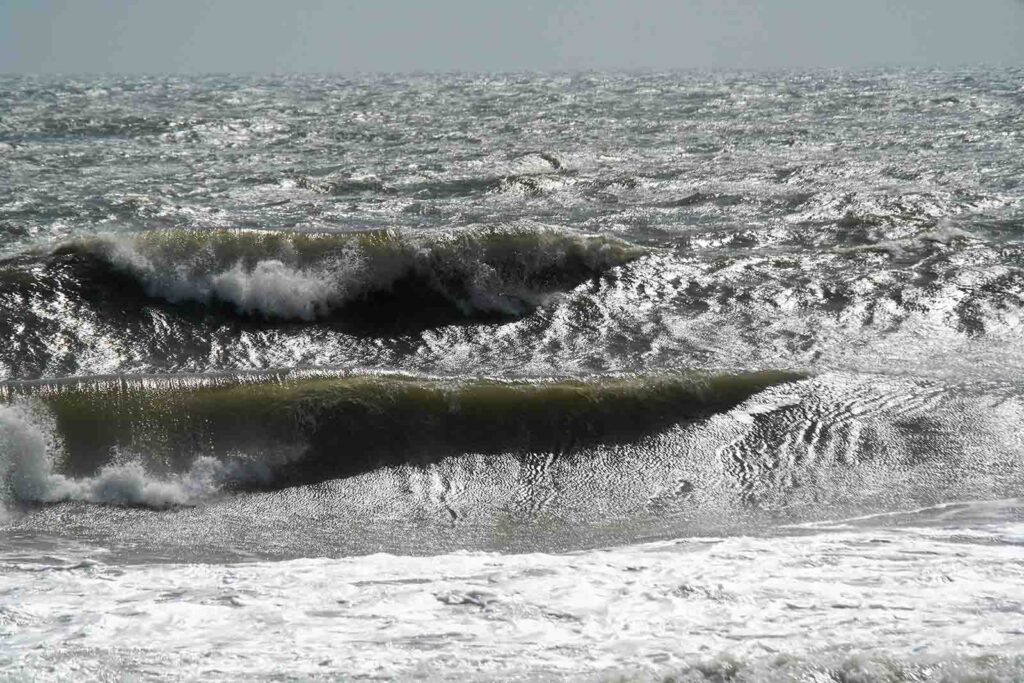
[{"x": 873, "y": 604}]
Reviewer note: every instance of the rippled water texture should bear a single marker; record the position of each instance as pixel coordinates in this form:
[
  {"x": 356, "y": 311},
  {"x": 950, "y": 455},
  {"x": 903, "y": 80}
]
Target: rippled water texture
[
  {"x": 708, "y": 376},
  {"x": 867, "y": 221}
]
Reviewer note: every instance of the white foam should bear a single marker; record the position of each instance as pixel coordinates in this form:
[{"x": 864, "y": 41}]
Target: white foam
[
  {"x": 274, "y": 289},
  {"x": 871, "y": 605},
  {"x": 271, "y": 287},
  {"x": 27, "y": 474}
]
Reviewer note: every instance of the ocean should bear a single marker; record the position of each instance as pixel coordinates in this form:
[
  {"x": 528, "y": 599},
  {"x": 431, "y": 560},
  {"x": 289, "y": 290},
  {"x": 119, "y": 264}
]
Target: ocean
[{"x": 697, "y": 376}]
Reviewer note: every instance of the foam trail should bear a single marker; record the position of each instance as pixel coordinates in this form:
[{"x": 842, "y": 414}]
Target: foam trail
[{"x": 27, "y": 472}]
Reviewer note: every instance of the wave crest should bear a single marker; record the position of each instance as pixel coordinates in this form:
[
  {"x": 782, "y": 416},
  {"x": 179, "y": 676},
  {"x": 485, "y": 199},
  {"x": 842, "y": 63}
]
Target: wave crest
[{"x": 304, "y": 276}]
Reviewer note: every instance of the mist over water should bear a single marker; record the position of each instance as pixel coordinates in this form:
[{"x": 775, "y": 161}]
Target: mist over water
[{"x": 706, "y": 355}]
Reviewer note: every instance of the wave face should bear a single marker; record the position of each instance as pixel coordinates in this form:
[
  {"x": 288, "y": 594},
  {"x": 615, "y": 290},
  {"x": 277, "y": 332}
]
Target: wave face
[
  {"x": 304, "y": 276},
  {"x": 296, "y": 428}
]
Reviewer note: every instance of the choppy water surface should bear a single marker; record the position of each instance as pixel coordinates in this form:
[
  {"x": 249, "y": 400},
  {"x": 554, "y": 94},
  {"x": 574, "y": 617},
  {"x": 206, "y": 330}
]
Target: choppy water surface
[{"x": 688, "y": 375}]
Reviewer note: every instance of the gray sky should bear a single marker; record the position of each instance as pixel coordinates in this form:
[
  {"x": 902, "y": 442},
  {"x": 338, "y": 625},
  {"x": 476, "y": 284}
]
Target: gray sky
[{"x": 78, "y": 36}]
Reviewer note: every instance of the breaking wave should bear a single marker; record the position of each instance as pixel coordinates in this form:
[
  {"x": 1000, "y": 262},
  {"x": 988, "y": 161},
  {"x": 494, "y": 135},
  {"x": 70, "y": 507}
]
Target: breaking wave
[
  {"x": 28, "y": 449},
  {"x": 175, "y": 441},
  {"x": 304, "y": 276}
]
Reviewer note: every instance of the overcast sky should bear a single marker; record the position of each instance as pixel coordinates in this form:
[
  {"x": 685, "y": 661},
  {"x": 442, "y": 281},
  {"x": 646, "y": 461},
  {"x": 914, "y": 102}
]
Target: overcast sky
[{"x": 79, "y": 36}]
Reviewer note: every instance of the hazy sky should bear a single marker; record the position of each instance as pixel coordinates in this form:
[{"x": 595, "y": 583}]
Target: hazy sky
[{"x": 479, "y": 35}]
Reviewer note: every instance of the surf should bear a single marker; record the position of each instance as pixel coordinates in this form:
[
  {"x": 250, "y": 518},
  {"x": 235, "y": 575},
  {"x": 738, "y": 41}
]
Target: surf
[
  {"x": 287, "y": 275},
  {"x": 185, "y": 437}
]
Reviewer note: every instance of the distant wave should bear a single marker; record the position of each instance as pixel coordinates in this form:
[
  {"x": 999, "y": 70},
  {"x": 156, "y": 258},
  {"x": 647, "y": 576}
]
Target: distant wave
[
  {"x": 172, "y": 441},
  {"x": 304, "y": 276},
  {"x": 516, "y": 180}
]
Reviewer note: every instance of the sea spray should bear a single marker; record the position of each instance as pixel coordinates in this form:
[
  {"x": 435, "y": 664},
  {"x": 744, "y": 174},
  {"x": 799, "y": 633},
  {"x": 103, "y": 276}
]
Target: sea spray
[{"x": 27, "y": 450}]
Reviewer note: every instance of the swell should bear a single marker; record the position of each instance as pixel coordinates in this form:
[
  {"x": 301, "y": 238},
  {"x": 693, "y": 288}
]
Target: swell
[
  {"x": 291, "y": 427},
  {"x": 306, "y": 276},
  {"x": 530, "y": 184}
]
